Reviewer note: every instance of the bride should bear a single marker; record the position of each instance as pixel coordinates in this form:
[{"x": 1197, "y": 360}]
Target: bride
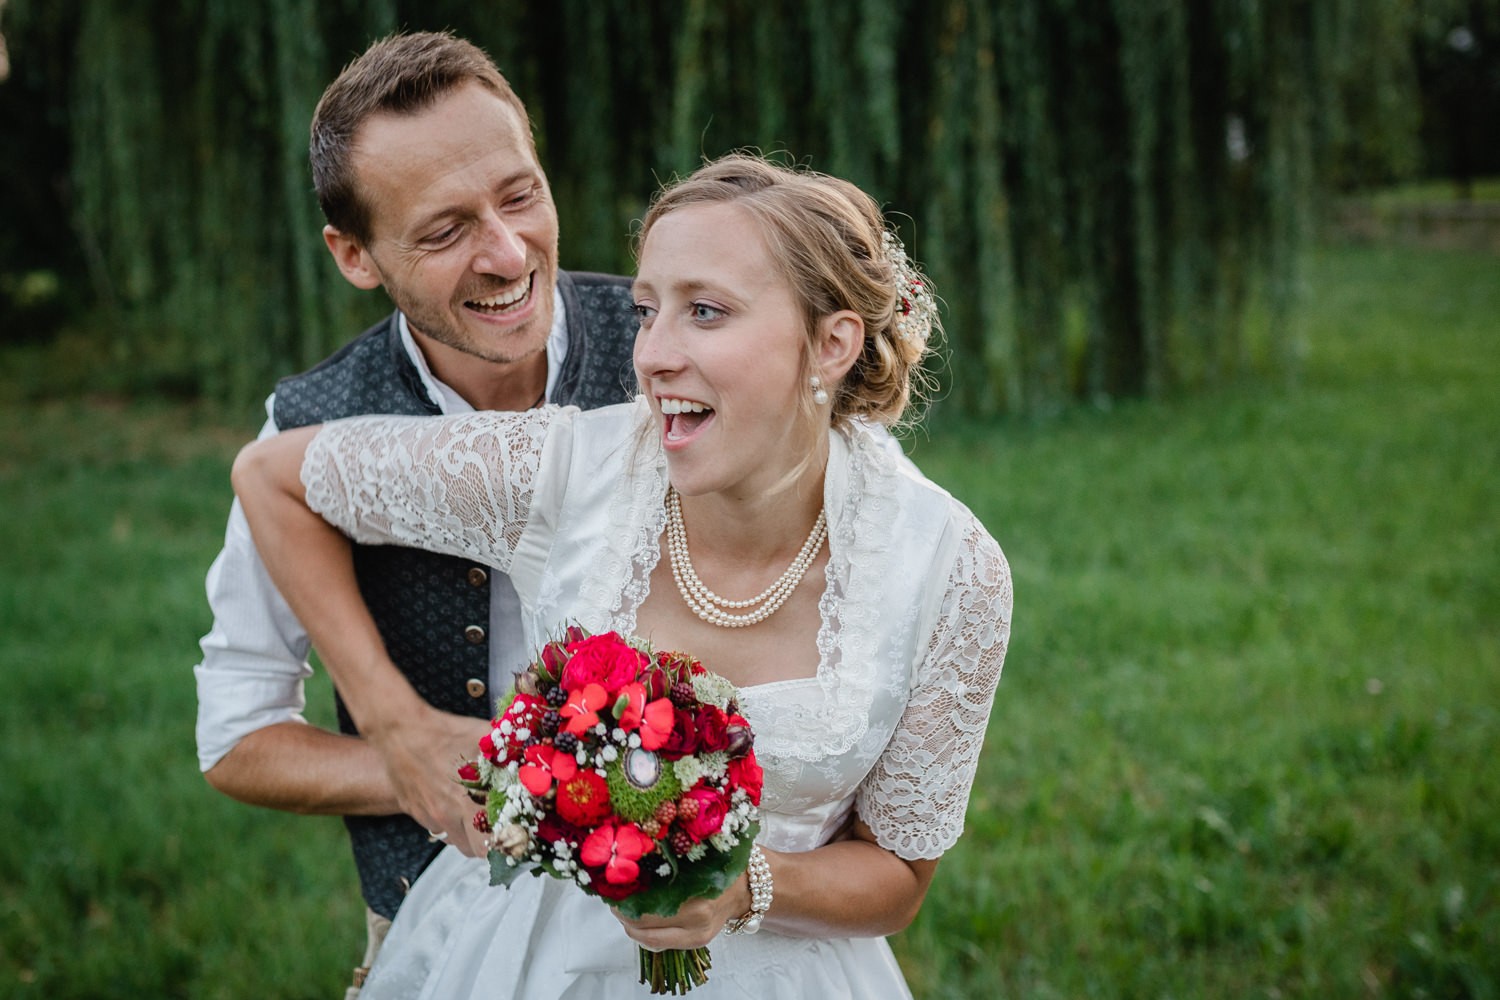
[{"x": 780, "y": 320}]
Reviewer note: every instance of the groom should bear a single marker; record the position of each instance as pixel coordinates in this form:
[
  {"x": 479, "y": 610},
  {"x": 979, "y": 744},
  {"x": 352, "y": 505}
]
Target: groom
[{"x": 426, "y": 170}]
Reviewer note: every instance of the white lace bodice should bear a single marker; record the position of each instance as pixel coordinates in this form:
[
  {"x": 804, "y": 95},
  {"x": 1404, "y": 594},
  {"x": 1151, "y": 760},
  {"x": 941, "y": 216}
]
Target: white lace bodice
[{"x": 915, "y": 613}]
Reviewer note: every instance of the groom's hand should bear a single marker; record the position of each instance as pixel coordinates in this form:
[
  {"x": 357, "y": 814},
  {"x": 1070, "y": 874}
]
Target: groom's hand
[{"x": 422, "y": 749}]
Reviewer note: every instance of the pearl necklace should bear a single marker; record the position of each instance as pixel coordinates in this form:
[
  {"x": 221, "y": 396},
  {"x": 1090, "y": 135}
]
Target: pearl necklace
[{"x": 715, "y": 609}]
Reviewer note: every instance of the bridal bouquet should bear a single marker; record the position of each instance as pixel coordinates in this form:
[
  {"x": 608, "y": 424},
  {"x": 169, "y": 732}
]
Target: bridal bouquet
[{"x": 626, "y": 771}]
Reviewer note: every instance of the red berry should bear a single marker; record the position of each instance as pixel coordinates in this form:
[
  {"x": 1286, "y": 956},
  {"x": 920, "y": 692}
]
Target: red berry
[{"x": 482, "y": 821}]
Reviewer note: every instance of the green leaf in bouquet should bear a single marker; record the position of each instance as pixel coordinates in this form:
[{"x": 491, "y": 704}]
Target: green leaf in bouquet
[
  {"x": 708, "y": 877},
  {"x": 502, "y": 872}
]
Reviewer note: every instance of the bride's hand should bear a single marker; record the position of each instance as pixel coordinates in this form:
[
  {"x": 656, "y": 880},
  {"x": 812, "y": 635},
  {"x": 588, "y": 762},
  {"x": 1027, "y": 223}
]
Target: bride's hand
[
  {"x": 694, "y": 925},
  {"x": 421, "y": 750}
]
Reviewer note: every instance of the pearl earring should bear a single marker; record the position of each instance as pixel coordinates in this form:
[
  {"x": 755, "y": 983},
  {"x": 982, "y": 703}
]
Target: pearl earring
[{"x": 820, "y": 395}]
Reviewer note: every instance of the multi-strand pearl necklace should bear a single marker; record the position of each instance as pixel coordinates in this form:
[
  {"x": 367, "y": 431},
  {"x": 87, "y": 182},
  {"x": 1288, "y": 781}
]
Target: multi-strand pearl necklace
[{"x": 718, "y": 610}]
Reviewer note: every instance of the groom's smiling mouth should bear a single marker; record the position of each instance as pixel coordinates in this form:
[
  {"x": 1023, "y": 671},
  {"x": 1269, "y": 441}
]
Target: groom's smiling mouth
[{"x": 506, "y": 300}]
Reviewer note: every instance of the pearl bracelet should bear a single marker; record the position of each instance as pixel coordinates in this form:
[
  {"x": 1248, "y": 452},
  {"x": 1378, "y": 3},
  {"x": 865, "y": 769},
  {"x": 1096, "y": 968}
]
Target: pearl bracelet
[{"x": 760, "y": 895}]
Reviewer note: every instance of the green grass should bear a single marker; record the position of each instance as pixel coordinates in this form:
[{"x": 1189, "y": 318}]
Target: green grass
[
  {"x": 1435, "y": 192},
  {"x": 1246, "y": 744}
]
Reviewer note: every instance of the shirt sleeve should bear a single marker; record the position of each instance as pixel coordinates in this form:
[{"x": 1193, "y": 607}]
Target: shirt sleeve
[
  {"x": 915, "y": 798},
  {"x": 255, "y": 655},
  {"x": 460, "y": 485}
]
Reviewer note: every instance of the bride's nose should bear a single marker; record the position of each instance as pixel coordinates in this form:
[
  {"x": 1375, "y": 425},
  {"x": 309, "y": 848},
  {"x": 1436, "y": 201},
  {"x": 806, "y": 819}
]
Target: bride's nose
[{"x": 658, "y": 349}]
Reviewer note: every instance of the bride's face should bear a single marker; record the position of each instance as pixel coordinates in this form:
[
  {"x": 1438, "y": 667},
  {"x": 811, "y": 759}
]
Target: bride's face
[{"x": 719, "y": 353}]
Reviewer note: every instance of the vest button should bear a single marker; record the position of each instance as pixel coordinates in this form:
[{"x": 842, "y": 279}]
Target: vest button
[
  {"x": 478, "y": 577},
  {"x": 474, "y": 635},
  {"x": 475, "y": 687}
]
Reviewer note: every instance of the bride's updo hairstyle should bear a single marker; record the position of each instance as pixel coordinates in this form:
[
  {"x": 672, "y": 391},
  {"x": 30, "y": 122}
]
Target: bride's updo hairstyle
[{"x": 833, "y": 247}]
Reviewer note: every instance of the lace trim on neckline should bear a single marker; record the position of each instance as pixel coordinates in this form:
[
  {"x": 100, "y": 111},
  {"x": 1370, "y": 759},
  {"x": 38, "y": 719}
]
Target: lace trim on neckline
[{"x": 825, "y": 726}]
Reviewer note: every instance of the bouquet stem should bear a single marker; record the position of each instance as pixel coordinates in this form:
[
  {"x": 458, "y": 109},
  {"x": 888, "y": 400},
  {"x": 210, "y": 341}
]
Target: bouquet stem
[{"x": 674, "y": 971}]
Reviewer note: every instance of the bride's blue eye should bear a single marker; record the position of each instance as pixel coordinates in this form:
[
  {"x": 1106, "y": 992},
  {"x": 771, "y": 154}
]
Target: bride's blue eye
[
  {"x": 643, "y": 312},
  {"x": 705, "y": 313}
]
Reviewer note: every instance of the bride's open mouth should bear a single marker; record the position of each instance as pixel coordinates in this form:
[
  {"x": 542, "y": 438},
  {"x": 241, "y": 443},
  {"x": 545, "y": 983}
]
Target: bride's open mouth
[{"x": 684, "y": 418}]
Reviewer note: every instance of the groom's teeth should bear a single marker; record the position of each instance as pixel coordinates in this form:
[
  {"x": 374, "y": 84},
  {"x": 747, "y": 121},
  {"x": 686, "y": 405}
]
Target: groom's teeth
[
  {"x": 675, "y": 406},
  {"x": 504, "y": 299}
]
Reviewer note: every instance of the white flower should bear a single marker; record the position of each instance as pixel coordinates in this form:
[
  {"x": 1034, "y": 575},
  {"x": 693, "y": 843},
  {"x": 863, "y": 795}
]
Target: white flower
[
  {"x": 688, "y": 770},
  {"x": 512, "y": 839},
  {"x": 711, "y": 689}
]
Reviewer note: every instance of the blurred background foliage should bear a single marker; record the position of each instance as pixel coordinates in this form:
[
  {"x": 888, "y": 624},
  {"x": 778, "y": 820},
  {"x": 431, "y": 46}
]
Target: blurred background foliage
[{"x": 1112, "y": 198}]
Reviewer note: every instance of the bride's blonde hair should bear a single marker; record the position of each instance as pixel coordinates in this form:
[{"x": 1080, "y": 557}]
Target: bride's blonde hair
[{"x": 833, "y": 247}]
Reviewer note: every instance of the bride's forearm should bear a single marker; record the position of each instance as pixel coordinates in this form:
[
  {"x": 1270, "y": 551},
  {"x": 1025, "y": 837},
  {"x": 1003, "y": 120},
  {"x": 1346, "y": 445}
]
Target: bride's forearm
[
  {"x": 312, "y": 565},
  {"x": 849, "y": 888}
]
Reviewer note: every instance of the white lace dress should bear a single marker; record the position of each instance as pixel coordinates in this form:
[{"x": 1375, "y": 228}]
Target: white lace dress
[{"x": 915, "y": 619}]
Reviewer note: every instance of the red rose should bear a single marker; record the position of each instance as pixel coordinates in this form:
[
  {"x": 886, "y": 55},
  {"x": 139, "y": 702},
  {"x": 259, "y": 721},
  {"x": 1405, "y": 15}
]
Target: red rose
[
  {"x": 525, "y": 711},
  {"x": 550, "y": 828},
  {"x": 606, "y": 660},
  {"x": 583, "y": 799},
  {"x": 712, "y": 725},
  {"x": 712, "y": 808},
  {"x": 612, "y": 890},
  {"x": 745, "y": 772},
  {"x": 469, "y": 772},
  {"x": 684, "y": 738}
]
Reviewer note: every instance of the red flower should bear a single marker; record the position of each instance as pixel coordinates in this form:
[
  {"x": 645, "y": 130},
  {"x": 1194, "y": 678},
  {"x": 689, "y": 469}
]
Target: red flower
[
  {"x": 550, "y": 828},
  {"x": 469, "y": 772},
  {"x": 616, "y": 848},
  {"x": 583, "y": 799},
  {"x": 745, "y": 772},
  {"x": 542, "y": 765},
  {"x": 712, "y": 726},
  {"x": 606, "y": 660},
  {"x": 654, "y": 719},
  {"x": 684, "y": 736},
  {"x": 582, "y": 708},
  {"x": 712, "y": 808}
]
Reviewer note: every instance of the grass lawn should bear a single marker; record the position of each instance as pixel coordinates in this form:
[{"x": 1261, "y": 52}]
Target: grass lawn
[{"x": 1246, "y": 744}]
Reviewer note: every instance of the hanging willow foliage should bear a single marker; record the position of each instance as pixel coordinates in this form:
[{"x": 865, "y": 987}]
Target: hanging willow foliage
[{"x": 1111, "y": 196}]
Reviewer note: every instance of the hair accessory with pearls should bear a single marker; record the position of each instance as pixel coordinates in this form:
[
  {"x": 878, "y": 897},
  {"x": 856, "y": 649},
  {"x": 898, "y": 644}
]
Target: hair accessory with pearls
[{"x": 916, "y": 308}]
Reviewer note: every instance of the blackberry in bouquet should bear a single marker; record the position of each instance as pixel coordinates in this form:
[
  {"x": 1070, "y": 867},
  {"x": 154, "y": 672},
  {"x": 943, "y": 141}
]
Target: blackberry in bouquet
[{"x": 624, "y": 770}]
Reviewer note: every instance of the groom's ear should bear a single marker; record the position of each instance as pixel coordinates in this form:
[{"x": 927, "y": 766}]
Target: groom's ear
[
  {"x": 353, "y": 260},
  {"x": 841, "y": 338}
]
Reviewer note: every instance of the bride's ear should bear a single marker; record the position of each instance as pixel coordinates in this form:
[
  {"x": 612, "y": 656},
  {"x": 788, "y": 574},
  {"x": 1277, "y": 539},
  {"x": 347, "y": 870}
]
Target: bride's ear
[{"x": 841, "y": 338}]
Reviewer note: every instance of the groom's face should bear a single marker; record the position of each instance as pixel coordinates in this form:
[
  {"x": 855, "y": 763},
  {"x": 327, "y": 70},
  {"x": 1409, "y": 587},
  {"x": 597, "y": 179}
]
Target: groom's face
[{"x": 464, "y": 230}]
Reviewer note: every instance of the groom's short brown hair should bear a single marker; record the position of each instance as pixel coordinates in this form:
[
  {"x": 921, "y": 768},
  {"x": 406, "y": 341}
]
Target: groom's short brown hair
[{"x": 399, "y": 74}]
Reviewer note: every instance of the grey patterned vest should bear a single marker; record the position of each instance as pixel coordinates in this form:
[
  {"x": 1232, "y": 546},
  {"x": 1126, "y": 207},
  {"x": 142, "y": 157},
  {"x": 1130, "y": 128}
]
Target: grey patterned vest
[{"x": 433, "y": 611}]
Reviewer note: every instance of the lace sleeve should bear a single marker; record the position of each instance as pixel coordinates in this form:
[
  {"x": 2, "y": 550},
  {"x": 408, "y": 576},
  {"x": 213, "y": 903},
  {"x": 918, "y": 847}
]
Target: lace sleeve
[
  {"x": 915, "y": 797},
  {"x": 457, "y": 485}
]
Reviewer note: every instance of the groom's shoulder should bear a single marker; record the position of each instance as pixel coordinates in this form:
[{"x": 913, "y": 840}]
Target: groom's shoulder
[{"x": 370, "y": 374}]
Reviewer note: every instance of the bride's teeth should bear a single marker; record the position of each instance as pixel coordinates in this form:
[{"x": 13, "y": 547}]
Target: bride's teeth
[{"x": 675, "y": 406}]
